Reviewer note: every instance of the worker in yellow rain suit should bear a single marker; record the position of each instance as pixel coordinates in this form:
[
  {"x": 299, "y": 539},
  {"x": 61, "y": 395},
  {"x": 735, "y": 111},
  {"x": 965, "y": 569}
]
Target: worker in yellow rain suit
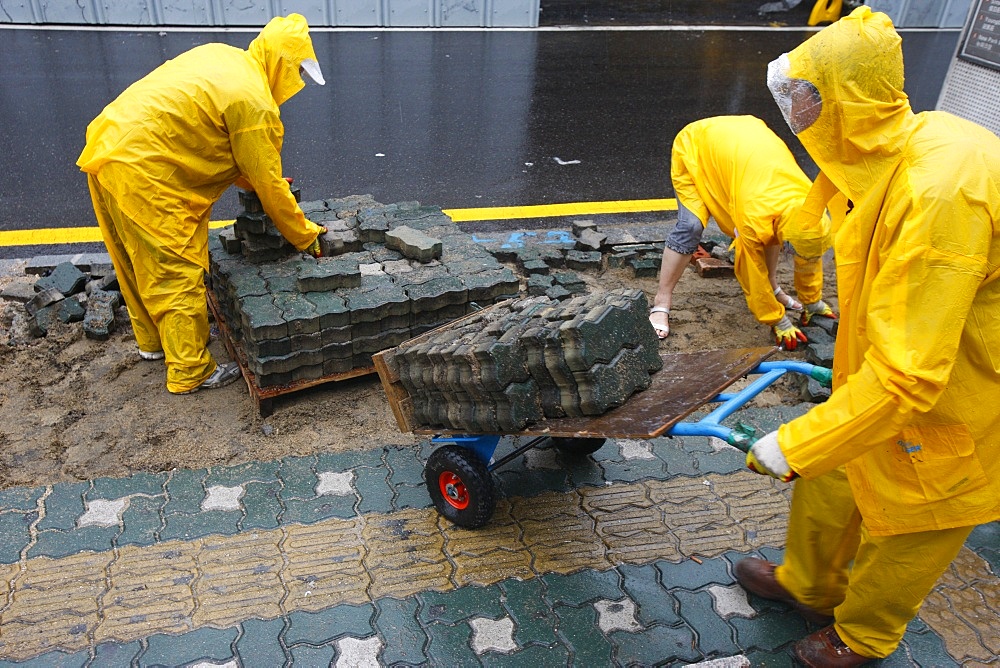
[
  {"x": 162, "y": 154},
  {"x": 736, "y": 170},
  {"x": 903, "y": 460}
]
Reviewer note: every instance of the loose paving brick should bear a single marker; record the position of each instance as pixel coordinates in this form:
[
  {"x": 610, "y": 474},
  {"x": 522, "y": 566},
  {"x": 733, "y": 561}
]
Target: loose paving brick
[{"x": 64, "y": 278}]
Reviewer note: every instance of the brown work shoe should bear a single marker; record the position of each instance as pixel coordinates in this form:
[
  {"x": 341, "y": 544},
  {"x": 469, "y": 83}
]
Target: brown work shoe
[
  {"x": 757, "y": 577},
  {"x": 825, "y": 649}
]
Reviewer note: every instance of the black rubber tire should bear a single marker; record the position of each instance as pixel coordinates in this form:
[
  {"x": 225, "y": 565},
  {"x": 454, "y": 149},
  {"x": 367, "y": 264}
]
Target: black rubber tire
[
  {"x": 578, "y": 446},
  {"x": 471, "y": 482}
]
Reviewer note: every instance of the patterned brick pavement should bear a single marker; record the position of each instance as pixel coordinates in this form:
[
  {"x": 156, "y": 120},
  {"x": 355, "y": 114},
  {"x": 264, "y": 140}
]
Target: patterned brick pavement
[{"x": 623, "y": 559}]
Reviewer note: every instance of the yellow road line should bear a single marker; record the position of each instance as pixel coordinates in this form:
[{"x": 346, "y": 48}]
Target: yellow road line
[
  {"x": 48, "y": 236},
  {"x": 553, "y": 210},
  {"x": 79, "y": 235}
]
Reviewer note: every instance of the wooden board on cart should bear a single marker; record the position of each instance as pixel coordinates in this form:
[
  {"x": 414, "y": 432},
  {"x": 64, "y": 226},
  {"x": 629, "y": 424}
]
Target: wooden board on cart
[
  {"x": 686, "y": 382},
  {"x": 263, "y": 396}
]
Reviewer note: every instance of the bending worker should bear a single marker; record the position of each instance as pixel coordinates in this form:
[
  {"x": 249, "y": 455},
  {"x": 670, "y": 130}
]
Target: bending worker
[
  {"x": 903, "y": 460},
  {"x": 158, "y": 158},
  {"x": 736, "y": 170}
]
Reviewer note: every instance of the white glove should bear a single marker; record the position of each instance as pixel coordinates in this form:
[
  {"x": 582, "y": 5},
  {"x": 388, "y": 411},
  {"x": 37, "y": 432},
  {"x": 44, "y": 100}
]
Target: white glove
[{"x": 766, "y": 457}]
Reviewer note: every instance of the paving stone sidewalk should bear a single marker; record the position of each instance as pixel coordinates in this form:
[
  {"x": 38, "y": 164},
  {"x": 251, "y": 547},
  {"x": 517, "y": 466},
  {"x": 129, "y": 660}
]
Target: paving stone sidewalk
[{"x": 339, "y": 559}]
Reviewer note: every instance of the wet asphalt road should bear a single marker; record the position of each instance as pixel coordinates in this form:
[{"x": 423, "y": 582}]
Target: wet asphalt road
[{"x": 452, "y": 118}]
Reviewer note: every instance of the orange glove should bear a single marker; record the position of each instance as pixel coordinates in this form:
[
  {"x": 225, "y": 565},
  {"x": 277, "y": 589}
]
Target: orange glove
[{"x": 787, "y": 335}]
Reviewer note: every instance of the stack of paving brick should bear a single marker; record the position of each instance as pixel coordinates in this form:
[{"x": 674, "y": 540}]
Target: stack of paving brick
[
  {"x": 389, "y": 273},
  {"x": 533, "y": 358}
]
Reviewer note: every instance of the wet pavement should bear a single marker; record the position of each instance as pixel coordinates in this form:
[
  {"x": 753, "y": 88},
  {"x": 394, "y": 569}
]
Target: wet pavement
[
  {"x": 450, "y": 118},
  {"x": 339, "y": 559}
]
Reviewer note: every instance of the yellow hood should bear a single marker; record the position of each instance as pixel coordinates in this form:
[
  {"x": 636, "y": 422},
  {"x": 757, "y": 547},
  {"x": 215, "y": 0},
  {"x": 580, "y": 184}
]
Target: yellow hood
[
  {"x": 280, "y": 49},
  {"x": 856, "y": 64}
]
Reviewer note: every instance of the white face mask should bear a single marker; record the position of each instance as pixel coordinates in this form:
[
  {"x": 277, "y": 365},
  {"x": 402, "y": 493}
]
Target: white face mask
[
  {"x": 311, "y": 67},
  {"x": 798, "y": 100}
]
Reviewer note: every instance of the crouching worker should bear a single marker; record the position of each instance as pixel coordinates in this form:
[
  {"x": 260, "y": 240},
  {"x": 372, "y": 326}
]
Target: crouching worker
[
  {"x": 158, "y": 158},
  {"x": 736, "y": 170},
  {"x": 903, "y": 460}
]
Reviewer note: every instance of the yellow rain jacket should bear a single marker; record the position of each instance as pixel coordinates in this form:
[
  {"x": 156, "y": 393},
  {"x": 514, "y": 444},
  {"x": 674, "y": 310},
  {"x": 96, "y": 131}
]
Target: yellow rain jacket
[
  {"x": 736, "y": 170},
  {"x": 913, "y": 414},
  {"x": 174, "y": 141},
  {"x": 159, "y": 157}
]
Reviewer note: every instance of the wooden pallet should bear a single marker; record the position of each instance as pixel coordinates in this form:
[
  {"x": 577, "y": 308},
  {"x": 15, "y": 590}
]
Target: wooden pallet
[
  {"x": 263, "y": 397},
  {"x": 686, "y": 382}
]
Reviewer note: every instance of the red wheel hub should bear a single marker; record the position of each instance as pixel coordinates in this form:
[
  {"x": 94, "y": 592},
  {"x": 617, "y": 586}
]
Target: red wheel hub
[{"x": 453, "y": 490}]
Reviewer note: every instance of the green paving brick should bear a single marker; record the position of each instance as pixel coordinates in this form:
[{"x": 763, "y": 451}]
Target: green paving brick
[
  {"x": 775, "y": 554},
  {"x": 404, "y": 465},
  {"x": 985, "y": 541},
  {"x": 901, "y": 658},
  {"x": 760, "y": 659},
  {"x": 657, "y": 644},
  {"x": 533, "y": 620},
  {"x": 396, "y": 623},
  {"x": 768, "y": 630},
  {"x": 726, "y": 460},
  {"x": 372, "y": 486},
  {"x": 206, "y": 523},
  {"x": 515, "y": 480},
  {"x": 116, "y": 655},
  {"x": 15, "y": 534},
  {"x": 344, "y": 461},
  {"x": 460, "y": 604},
  {"x": 923, "y": 645},
  {"x": 231, "y": 476},
  {"x": 411, "y": 496},
  {"x": 205, "y": 644},
  {"x": 261, "y": 505},
  {"x": 58, "y": 544},
  {"x": 317, "y": 628},
  {"x": 63, "y": 506},
  {"x": 116, "y": 488},
  {"x": 308, "y": 511},
  {"x": 298, "y": 478},
  {"x": 580, "y": 633},
  {"x": 583, "y": 471},
  {"x": 449, "y": 645},
  {"x": 655, "y": 604},
  {"x": 141, "y": 521},
  {"x": 185, "y": 491},
  {"x": 536, "y": 656},
  {"x": 691, "y": 575},
  {"x": 715, "y": 636},
  {"x": 630, "y": 470},
  {"x": 304, "y": 655},
  {"x": 582, "y": 587},
  {"x": 20, "y": 498},
  {"x": 259, "y": 645},
  {"x": 674, "y": 452},
  {"x": 52, "y": 660}
]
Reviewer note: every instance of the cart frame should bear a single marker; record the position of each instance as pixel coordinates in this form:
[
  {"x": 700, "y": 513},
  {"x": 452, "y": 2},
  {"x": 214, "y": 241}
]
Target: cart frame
[{"x": 459, "y": 472}]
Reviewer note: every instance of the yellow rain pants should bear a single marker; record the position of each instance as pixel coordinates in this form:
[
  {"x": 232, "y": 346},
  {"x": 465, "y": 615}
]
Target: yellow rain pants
[
  {"x": 874, "y": 600},
  {"x": 736, "y": 170},
  {"x": 165, "y": 300}
]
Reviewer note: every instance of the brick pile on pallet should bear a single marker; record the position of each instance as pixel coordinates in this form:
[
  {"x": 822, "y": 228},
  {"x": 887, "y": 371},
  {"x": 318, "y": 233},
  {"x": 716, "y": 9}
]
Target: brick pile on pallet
[
  {"x": 530, "y": 359},
  {"x": 389, "y": 273}
]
